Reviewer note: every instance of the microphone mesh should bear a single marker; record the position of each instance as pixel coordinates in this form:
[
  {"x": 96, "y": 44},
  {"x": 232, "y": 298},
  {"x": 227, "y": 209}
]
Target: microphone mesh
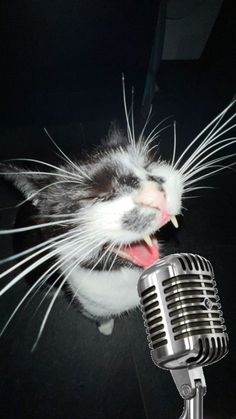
[{"x": 183, "y": 306}]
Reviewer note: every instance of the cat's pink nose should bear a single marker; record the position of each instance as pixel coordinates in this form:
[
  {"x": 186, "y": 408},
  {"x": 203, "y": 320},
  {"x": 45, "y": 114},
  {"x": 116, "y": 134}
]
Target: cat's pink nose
[{"x": 151, "y": 196}]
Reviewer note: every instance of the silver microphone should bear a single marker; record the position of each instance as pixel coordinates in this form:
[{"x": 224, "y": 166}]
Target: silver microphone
[{"x": 184, "y": 323}]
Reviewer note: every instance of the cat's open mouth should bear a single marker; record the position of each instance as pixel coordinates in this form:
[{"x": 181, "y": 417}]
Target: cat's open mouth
[{"x": 143, "y": 253}]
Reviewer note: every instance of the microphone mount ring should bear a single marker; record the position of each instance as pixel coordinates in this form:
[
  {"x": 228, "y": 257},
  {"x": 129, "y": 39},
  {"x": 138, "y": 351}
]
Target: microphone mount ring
[
  {"x": 192, "y": 388},
  {"x": 193, "y": 408}
]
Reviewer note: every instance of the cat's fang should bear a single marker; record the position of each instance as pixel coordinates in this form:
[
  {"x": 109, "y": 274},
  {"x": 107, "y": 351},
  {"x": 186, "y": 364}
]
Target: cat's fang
[
  {"x": 148, "y": 240},
  {"x": 174, "y": 221}
]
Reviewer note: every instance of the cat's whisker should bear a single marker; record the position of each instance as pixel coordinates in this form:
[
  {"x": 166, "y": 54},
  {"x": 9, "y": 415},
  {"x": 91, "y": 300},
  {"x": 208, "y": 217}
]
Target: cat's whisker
[
  {"x": 38, "y": 246},
  {"x": 174, "y": 145},
  {"x": 34, "y": 173},
  {"x": 140, "y": 138},
  {"x": 154, "y": 135},
  {"x": 132, "y": 113},
  {"x": 30, "y": 197},
  {"x": 129, "y": 132},
  {"x": 77, "y": 168},
  {"x": 56, "y": 266},
  {"x": 194, "y": 160},
  {"x": 42, "y": 250},
  {"x": 213, "y": 130},
  {"x": 201, "y": 150},
  {"x": 206, "y": 166},
  {"x": 187, "y": 190},
  {"x": 202, "y": 132},
  {"x": 109, "y": 255},
  {"x": 111, "y": 246},
  {"x": 35, "y": 227},
  {"x": 115, "y": 257},
  {"x": 206, "y": 175},
  {"x": 54, "y": 299},
  {"x": 69, "y": 175}
]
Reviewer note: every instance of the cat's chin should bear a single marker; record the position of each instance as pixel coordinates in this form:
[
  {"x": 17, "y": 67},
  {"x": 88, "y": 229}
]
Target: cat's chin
[{"x": 140, "y": 253}]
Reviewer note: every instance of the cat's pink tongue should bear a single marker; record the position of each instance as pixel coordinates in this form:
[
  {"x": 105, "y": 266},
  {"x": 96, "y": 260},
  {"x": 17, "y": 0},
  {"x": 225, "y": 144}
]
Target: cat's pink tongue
[{"x": 141, "y": 254}]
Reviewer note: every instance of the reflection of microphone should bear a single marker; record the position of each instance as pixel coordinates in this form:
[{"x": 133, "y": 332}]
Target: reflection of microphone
[{"x": 184, "y": 323}]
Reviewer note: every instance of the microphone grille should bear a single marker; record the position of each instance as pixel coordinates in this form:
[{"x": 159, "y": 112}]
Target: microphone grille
[{"x": 181, "y": 310}]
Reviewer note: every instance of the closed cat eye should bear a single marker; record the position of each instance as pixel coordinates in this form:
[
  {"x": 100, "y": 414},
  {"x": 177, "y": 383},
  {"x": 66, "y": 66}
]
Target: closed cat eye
[{"x": 129, "y": 180}]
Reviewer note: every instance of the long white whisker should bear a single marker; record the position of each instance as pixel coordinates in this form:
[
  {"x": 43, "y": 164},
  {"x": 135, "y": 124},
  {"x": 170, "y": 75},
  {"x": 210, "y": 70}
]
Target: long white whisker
[
  {"x": 30, "y": 197},
  {"x": 202, "y": 132},
  {"x": 129, "y": 132},
  {"x": 174, "y": 147},
  {"x": 66, "y": 157},
  {"x": 22, "y": 262},
  {"x": 71, "y": 175},
  {"x": 204, "y": 148},
  {"x": 205, "y": 176},
  {"x": 52, "y": 303},
  {"x": 205, "y": 166},
  {"x": 35, "y": 227}
]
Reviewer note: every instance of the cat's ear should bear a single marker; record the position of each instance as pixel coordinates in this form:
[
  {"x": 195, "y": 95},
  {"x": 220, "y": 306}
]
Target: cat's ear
[
  {"x": 27, "y": 181},
  {"x": 115, "y": 137}
]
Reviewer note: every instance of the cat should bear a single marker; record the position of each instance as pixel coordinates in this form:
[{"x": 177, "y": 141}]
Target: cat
[{"x": 99, "y": 217}]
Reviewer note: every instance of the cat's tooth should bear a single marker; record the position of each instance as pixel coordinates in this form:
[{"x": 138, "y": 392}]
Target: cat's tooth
[
  {"x": 174, "y": 221},
  {"x": 148, "y": 240}
]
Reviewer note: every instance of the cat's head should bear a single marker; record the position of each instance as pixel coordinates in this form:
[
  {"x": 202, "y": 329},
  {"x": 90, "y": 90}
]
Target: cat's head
[{"x": 113, "y": 202}]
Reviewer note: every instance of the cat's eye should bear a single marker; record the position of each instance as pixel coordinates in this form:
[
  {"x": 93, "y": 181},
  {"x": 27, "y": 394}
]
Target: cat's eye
[
  {"x": 129, "y": 180},
  {"x": 158, "y": 179}
]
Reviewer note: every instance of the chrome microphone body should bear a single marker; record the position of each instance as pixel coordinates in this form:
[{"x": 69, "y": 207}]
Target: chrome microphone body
[{"x": 184, "y": 322}]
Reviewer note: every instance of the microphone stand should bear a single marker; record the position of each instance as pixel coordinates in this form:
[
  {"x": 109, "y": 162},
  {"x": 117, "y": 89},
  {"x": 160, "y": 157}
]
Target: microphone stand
[{"x": 192, "y": 388}]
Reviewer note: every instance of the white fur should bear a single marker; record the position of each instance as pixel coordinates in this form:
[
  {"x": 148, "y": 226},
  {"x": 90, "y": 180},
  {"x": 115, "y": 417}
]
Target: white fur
[{"x": 106, "y": 294}]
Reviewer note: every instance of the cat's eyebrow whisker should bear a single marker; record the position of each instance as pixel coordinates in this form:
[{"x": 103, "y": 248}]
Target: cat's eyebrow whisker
[
  {"x": 132, "y": 113},
  {"x": 174, "y": 146},
  {"x": 42, "y": 189},
  {"x": 154, "y": 135},
  {"x": 129, "y": 132},
  {"x": 154, "y": 129},
  {"x": 38, "y": 173},
  {"x": 66, "y": 157},
  {"x": 203, "y": 131},
  {"x": 71, "y": 174},
  {"x": 145, "y": 124}
]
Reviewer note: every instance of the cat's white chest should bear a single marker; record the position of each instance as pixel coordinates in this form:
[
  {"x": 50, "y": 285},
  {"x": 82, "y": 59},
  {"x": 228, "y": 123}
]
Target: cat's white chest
[{"x": 106, "y": 294}]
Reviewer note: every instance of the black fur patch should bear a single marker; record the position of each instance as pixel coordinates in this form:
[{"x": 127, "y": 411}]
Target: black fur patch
[{"x": 136, "y": 221}]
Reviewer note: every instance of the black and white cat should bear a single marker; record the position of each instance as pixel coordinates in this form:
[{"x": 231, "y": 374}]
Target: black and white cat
[{"x": 99, "y": 218}]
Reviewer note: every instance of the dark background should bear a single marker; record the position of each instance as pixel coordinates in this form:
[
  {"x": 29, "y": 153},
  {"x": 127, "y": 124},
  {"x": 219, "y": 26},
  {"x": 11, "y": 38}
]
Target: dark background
[{"x": 61, "y": 65}]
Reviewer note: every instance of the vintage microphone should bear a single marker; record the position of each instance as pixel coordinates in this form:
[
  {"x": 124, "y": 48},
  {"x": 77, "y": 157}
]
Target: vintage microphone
[{"x": 184, "y": 323}]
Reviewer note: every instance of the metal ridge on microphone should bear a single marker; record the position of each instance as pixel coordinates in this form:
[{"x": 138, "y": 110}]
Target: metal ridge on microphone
[{"x": 182, "y": 312}]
